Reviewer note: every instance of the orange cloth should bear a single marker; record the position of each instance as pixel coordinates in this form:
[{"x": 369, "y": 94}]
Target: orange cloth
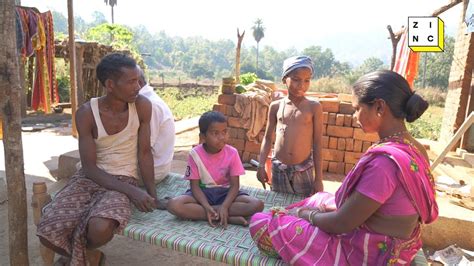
[{"x": 406, "y": 61}]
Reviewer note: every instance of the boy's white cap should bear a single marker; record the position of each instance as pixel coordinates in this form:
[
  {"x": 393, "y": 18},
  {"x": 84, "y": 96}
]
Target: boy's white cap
[{"x": 295, "y": 62}]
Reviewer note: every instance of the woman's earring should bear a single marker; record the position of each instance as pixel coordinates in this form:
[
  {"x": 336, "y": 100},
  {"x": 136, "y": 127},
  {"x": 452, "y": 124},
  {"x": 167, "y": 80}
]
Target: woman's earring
[{"x": 379, "y": 114}]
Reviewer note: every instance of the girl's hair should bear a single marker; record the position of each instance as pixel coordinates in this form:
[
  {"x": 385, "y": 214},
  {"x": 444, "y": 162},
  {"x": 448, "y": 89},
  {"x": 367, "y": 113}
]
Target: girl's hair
[
  {"x": 394, "y": 90},
  {"x": 208, "y": 118}
]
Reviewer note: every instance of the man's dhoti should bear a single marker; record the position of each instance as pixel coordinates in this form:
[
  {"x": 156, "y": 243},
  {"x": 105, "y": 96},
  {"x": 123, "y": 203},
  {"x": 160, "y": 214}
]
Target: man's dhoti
[{"x": 64, "y": 220}]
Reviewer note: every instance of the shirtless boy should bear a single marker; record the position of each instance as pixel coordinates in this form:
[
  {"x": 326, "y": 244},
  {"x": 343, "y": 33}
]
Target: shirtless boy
[{"x": 297, "y": 123}]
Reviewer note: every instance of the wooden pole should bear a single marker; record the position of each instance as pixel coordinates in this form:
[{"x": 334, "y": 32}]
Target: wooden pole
[
  {"x": 240, "y": 37},
  {"x": 72, "y": 64},
  {"x": 464, "y": 127},
  {"x": 10, "y": 107}
]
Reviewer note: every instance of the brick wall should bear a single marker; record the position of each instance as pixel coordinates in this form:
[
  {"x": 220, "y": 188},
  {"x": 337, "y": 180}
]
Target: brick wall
[
  {"x": 343, "y": 141},
  {"x": 459, "y": 88}
]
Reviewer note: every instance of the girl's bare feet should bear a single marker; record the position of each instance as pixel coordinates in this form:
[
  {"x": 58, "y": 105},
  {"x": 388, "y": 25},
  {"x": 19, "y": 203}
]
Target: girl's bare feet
[{"x": 238, "y": 220}]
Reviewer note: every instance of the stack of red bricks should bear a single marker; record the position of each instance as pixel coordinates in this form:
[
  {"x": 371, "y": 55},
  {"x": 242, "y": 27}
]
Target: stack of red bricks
[
  {"x": 237, "y": 133},
  {"x": 343, "y": 141}
]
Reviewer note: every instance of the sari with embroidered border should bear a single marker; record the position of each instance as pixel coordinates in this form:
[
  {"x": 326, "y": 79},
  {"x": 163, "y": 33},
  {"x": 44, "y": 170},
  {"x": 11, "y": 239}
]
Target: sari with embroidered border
[{"x": 297, "y": 242}]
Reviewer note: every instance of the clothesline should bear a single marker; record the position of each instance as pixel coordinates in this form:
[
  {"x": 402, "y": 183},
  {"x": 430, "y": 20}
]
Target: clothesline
[{"x": 35, "y": 38}]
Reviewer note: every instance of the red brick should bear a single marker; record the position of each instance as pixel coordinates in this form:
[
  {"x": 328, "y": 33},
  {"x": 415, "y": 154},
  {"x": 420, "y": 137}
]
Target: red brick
[
  {"x": 331, "y": 118},
  {"x": 357, "y": 145},
  {"x": 246, "y": 157},
  {"x": 240, "y": 154},
  {"x": 239, "y": 144},
  {"x": 252, "y": 147},
  {"x": 352, "y": 157},
  {"x": 339, "y": 120},
  {"x": 346, "y": 108},
  {"x": 235, "y": 122},
  {"x": 365, "y": 145},
  {"x": 344, "y": 97},
  {"x": 349, "y": 144},
  {"x": 347, "y": 120},
  {"x": 242, "y": 133},
  {"x": 229, "y": 110},
  {"x": 342, "y": 132},
  {"x": 325, "y": 141},
  {"x": 333, "y": 155},
  {"x": 232, "y": 132},
  {"x": 219, "y": 108},
  {"x": 325, "y": 165},
  {"x": 361, "y": 135},
  {"x": 330, "y": 105},
  {"x": 348, "y": 168},
  {"x": 325, "y": 129},
  {"x": 341, "y": 144},
  {"x": 336, "y": 167},
  {"x": 325, "y": 117},
  {"x": 226, "y": 99},
  {"x": 332, "y": 143}
]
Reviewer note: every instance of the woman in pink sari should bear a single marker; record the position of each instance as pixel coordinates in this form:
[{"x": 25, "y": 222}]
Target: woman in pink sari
[{"x": 376, "y": 215}]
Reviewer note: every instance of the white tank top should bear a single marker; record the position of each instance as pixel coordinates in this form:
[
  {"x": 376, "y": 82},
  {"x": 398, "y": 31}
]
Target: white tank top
[{"x": 117, "y": 154}]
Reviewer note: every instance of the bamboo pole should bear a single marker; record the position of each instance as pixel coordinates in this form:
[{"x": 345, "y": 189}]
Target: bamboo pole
[
  {"x": 10, "y": 107},
  {"x": 72, "y": 64}
]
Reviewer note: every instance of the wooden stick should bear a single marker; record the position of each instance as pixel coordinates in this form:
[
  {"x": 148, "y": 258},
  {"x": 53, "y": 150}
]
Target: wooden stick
[{"x": 464, "y": 127}]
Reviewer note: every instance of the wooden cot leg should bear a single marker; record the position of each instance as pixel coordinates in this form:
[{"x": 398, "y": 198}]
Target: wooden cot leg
[{"x": 39, "y": 199}]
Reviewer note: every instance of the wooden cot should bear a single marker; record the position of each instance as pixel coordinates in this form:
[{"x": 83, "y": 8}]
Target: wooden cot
[{"x": 231, "y": 246}]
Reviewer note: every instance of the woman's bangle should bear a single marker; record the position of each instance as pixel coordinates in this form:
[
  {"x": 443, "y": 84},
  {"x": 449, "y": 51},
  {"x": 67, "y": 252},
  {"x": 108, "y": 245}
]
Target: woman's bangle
[
  {"x": 311, "y": 216},
  {"x": 298, "y": 211}
]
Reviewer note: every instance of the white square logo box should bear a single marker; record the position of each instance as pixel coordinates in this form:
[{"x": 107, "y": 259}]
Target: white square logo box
[{"x": 426, "y": 34}]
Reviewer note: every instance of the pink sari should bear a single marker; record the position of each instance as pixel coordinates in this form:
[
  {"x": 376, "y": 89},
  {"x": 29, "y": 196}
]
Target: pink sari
[{"x": 297, "y": 242}]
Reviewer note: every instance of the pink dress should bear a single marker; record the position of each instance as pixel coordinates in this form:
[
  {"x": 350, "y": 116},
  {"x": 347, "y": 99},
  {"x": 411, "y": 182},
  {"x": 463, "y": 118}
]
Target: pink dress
[{"x": 297, "y": 242}]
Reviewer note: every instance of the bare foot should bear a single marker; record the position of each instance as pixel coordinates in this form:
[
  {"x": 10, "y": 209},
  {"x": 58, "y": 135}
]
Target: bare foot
[
  {"x": 162, "y": 204},
  {"x": 62, "y": 261},
  {"x": 238, "y": 220},
  {"x": 95, "y": 257}
]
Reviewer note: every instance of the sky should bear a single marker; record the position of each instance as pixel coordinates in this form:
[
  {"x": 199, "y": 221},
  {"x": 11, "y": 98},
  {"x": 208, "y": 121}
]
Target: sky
[{"x": 353, "y": 30}]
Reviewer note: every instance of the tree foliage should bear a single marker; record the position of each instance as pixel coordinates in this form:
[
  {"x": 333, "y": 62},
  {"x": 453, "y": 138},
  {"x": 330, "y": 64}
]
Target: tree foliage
[{"x": 200, "y": 58}]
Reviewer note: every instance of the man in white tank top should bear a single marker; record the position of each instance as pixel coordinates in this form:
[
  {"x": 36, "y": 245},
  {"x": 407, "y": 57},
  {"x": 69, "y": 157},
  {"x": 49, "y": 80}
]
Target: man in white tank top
[{"x": 114, "y": 143}]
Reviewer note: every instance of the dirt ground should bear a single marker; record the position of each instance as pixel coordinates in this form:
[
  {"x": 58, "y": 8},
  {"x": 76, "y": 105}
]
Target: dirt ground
[{"x": 41, "y": 152}]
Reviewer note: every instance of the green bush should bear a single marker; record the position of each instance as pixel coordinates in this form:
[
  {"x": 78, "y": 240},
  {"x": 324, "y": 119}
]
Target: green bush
[
  {"x": 428, "y": 126},
  {"x": 187, "y": 103},
  {"x": 331, "y": 85},
  {"x": 248, "y": 78},
  {"x": 435, "y": 96}
]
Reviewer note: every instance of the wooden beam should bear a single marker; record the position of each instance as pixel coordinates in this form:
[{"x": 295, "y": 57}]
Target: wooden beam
[
  {"x": 464, "y": 127},
  {"x": 10, "y": 108},
  {"x": 72, "y": 64},
  {"x": 442, "y": 9}
]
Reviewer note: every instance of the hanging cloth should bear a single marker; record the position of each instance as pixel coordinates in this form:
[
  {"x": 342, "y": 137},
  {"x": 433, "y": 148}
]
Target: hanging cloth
[{"x": 406, "y": 61}]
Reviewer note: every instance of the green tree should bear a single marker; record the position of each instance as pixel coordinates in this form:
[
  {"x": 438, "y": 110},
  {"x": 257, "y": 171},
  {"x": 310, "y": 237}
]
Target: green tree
[
  {"x": 60, "y": 22},
  {"x": 258, "y": 34},
  {"x": 438, "y": 66},
  {"x": 99, "y": 18},
  {"x": 371, "y": 64},
  {"x": 323, "y": 60},
  {"x": 111, "y": 34},
  {"x": 111, "y": 3}
]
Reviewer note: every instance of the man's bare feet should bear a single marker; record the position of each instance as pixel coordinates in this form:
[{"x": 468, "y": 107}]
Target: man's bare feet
[
  {"x": 238, "y": 220},
  {"x": 95, "y": 257},
  {"x": 62, "y": 261}
]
